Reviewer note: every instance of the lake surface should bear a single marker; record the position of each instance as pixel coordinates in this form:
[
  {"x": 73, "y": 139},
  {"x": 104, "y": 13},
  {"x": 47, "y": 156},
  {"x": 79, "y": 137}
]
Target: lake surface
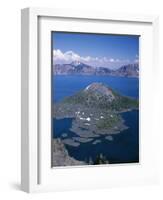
[
  {"x": 69, "y": 85},
  {"x": 125, "y": 146}
]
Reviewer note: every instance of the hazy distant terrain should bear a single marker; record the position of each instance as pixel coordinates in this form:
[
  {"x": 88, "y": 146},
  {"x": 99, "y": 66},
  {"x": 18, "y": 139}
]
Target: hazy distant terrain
[{"x": 79, "y": 68}]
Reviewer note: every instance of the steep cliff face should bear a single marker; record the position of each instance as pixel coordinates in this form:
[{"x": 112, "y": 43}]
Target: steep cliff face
[
  {"x": 61, "y": 156},
  {"x": 131, "y": 70}
]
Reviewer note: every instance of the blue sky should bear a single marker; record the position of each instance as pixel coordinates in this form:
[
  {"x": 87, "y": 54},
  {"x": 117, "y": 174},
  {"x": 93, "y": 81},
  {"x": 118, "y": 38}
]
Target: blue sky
[{"x": 110, "y": 51}]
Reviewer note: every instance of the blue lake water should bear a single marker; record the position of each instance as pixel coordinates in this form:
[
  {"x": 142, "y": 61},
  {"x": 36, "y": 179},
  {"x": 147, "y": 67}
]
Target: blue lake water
[
  {"x": 69, "y": 85},
  {"x": 125, "y": 146}
]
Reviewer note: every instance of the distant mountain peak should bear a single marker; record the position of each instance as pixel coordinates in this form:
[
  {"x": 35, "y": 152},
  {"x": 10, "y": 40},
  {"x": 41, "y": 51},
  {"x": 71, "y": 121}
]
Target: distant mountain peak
[
  {"x": 131, "y": 70},
  {"x": 76, "y": 63}
]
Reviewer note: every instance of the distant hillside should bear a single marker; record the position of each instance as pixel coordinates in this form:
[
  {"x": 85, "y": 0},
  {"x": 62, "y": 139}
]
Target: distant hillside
[
  {"x": 78, "y": 68},
  {"x": 131, "y": 70},
  {"x": 74, "y": 68}
]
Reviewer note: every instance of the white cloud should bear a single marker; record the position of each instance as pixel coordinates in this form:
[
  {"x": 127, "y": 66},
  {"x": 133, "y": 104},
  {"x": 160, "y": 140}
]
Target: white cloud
[
  {"x": 111, "y": 60},
  {"x": 68, "y": 56},
  {"x": 136, "y": 59},
  {"x": 58, "y": 54},
  {"x": 65, "y": 58}
]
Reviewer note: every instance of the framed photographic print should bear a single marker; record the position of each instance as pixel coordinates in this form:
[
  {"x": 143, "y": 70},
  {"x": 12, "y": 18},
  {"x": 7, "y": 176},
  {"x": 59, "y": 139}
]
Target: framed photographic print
[
  {"x": 95, "y": 99},
  {"x": 88, "y": 96}
]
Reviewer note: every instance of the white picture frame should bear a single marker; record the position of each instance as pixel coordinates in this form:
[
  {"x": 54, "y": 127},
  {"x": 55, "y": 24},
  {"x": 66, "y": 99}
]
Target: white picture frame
[{"x": 36, "y": 171}]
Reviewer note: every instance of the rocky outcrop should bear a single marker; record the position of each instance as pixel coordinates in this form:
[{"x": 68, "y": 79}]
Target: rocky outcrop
[
  {"x": 61, "y": 156},
  {"x": 100, "y": 90}
]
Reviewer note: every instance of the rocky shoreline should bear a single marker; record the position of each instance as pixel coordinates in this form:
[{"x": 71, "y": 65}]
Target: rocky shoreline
[{"x": 61, "y": 157}]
